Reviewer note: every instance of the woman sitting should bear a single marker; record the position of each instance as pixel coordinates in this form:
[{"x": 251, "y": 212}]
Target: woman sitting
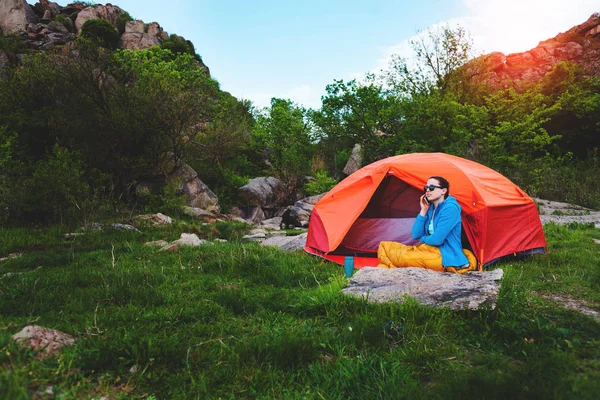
[{"x": 438, "y": 227}]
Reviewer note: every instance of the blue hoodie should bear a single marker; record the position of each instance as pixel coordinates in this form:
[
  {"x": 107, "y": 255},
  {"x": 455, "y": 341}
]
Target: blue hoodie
[{"x": 446, "y": 231}]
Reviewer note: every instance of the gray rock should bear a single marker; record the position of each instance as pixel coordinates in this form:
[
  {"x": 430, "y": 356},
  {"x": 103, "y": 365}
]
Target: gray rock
[
  {"x": 272, "y": 223},
  {"x": 299, "y": 214},
  {"x": 196, "y": 193},
  {"x": 248, "y": 214},
  {"x": 286, "y": 243},
  {"x": 47, "y": 341},
  {"x": 564, "y": 213},
  {"x": 256, "y": 235},
  {"x": 188, "y": 239},
  {"x": 355, "y": 161},
  {"x": 266, "y": 192},
  {"x": 466, "y": 291},
  {"x": 122, "y": 227}
]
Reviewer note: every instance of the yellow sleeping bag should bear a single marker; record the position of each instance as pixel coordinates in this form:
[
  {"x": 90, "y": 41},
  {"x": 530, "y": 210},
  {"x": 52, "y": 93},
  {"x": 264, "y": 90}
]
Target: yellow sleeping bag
[{"x": 396, "y": 255}]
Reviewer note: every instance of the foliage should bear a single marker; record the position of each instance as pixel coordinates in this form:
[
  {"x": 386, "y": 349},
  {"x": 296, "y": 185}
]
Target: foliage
[
  {"x": 178, "y": 45},
  {"x": 128, "y": 114},
  {"x": 240, "y": 320},
  {"x": 439, "y": 52},
  {"x": 65, "y": 21},
  {"x": 101, "y": 32},
  {"x": 11, "y": 44},
  {"x": 285, "y": 132},
  {"x": 321, "y": 184}
]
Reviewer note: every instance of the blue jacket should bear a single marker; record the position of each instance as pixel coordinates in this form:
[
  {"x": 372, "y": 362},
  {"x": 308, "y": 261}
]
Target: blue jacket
[{"x": 446, "y": 231}]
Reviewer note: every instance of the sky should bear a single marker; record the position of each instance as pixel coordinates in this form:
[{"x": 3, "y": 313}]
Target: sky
[{"x": 292, "y": 49}]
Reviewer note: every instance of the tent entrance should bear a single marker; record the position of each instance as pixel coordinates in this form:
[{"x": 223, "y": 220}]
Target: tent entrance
[{"x": 389, "y": 216}]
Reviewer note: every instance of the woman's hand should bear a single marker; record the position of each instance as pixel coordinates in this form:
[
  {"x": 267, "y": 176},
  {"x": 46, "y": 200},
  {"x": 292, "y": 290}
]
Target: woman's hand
[{"x": 424, "y": 206}]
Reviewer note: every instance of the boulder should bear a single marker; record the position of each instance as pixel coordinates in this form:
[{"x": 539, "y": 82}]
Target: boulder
[
  {"x": 250, "y": 215},
  {"x": 107, "y": 12},
  {"x": 355, "y": 161},
  {"x": 299, "y": 213},
  {"x": 155, "y": 30},
  {"x": 84, "y": 15},
  {"x": 15, "y": 15},
  {"x": 196, "y": 193},
  {"x": 138, "y": 41},
  {"x": 136, "y": 26},
  {"x": 266, "y": 192},
  {"x": 438, "y": 289},
  {"x": 47, "y": 342}
]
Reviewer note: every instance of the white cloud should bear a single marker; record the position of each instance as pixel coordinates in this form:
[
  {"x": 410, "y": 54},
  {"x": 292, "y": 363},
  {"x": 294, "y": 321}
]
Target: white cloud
[
  {"x": 512, "y": 26},
  {"x": 508, "y": 26}
]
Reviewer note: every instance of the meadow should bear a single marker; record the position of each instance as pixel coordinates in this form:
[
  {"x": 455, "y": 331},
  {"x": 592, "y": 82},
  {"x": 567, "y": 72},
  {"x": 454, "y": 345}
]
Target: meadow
[{"x": 237, "y": 320}]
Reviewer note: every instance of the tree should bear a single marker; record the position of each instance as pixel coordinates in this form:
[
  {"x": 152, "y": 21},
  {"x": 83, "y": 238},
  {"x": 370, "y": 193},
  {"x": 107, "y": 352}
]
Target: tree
[
  {"x": 438, "y": 54},
  {"x": 356, "y": 113},
  {"x": 285, "y": 131}
]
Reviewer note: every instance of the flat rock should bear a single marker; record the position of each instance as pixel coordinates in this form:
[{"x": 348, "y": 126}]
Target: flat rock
[
  {"x": 286, "y": 243},
  {"x": 456, "y": 291}
]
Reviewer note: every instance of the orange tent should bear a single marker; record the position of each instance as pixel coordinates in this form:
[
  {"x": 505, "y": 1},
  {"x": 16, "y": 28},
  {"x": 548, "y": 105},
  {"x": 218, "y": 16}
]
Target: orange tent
[{"x": 381, "y": 201}]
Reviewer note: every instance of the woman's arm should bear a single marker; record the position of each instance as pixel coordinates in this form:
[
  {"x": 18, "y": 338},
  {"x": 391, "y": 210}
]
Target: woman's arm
[{"x": 446, "y": 220}]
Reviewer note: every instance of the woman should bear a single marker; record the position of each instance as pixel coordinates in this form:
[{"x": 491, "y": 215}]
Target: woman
[{"x": 438, "y": 228}]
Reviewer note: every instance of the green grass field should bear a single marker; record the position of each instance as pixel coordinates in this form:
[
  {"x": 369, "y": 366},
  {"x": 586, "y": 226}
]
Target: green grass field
[{"x": 237, "y": 320}]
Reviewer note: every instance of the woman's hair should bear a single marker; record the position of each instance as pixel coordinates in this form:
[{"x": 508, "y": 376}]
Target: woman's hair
[{"x": 444, "y": 184}]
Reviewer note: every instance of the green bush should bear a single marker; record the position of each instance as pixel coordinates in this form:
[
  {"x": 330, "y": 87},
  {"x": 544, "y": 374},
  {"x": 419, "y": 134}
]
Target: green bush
[
  {"x": 57, "y": 187},
  {"x": 67, "y": 23},
  {"x": 170, "y": 201},
  {"x": 323, "y": 183},
  {"x": 11, "y": 44},
  {"x": 102, "y": 32}
]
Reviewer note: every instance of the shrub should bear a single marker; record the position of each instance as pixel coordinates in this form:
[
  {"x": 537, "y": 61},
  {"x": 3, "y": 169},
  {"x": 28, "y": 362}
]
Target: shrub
[
  {"x": 102, "y": 32},
  {"x": 323, "y": 183},
  {"x": 57, "y": 186},
  {"x": 11, "y": 44},
  {"x": 67, "y": 23}
]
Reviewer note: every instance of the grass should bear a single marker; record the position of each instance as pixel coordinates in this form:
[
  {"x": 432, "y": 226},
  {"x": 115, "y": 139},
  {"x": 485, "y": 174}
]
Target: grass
[{"x": 237, "y": 320}]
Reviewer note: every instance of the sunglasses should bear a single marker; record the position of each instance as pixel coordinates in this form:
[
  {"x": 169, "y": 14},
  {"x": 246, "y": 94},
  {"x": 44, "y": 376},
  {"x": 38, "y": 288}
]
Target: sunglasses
[{"x": 431, "y": 188}]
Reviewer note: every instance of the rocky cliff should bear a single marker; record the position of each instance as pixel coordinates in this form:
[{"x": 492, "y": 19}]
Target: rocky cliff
[
  {"x": 46, "y": 25},
  {"x": 580, "y": 44}
]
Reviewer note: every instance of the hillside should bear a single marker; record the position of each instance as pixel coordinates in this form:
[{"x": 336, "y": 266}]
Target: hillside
[
  {"x": 580, "y": 44},
  {"x": 47, "y": 25}
]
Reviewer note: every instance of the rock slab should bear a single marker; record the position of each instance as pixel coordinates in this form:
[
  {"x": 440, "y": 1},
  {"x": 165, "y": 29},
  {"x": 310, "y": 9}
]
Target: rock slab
[{"x": 466, "y": 291}]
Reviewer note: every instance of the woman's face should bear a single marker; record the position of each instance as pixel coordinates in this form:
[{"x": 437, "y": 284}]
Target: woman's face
[{"x": 437, "y": 193}]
